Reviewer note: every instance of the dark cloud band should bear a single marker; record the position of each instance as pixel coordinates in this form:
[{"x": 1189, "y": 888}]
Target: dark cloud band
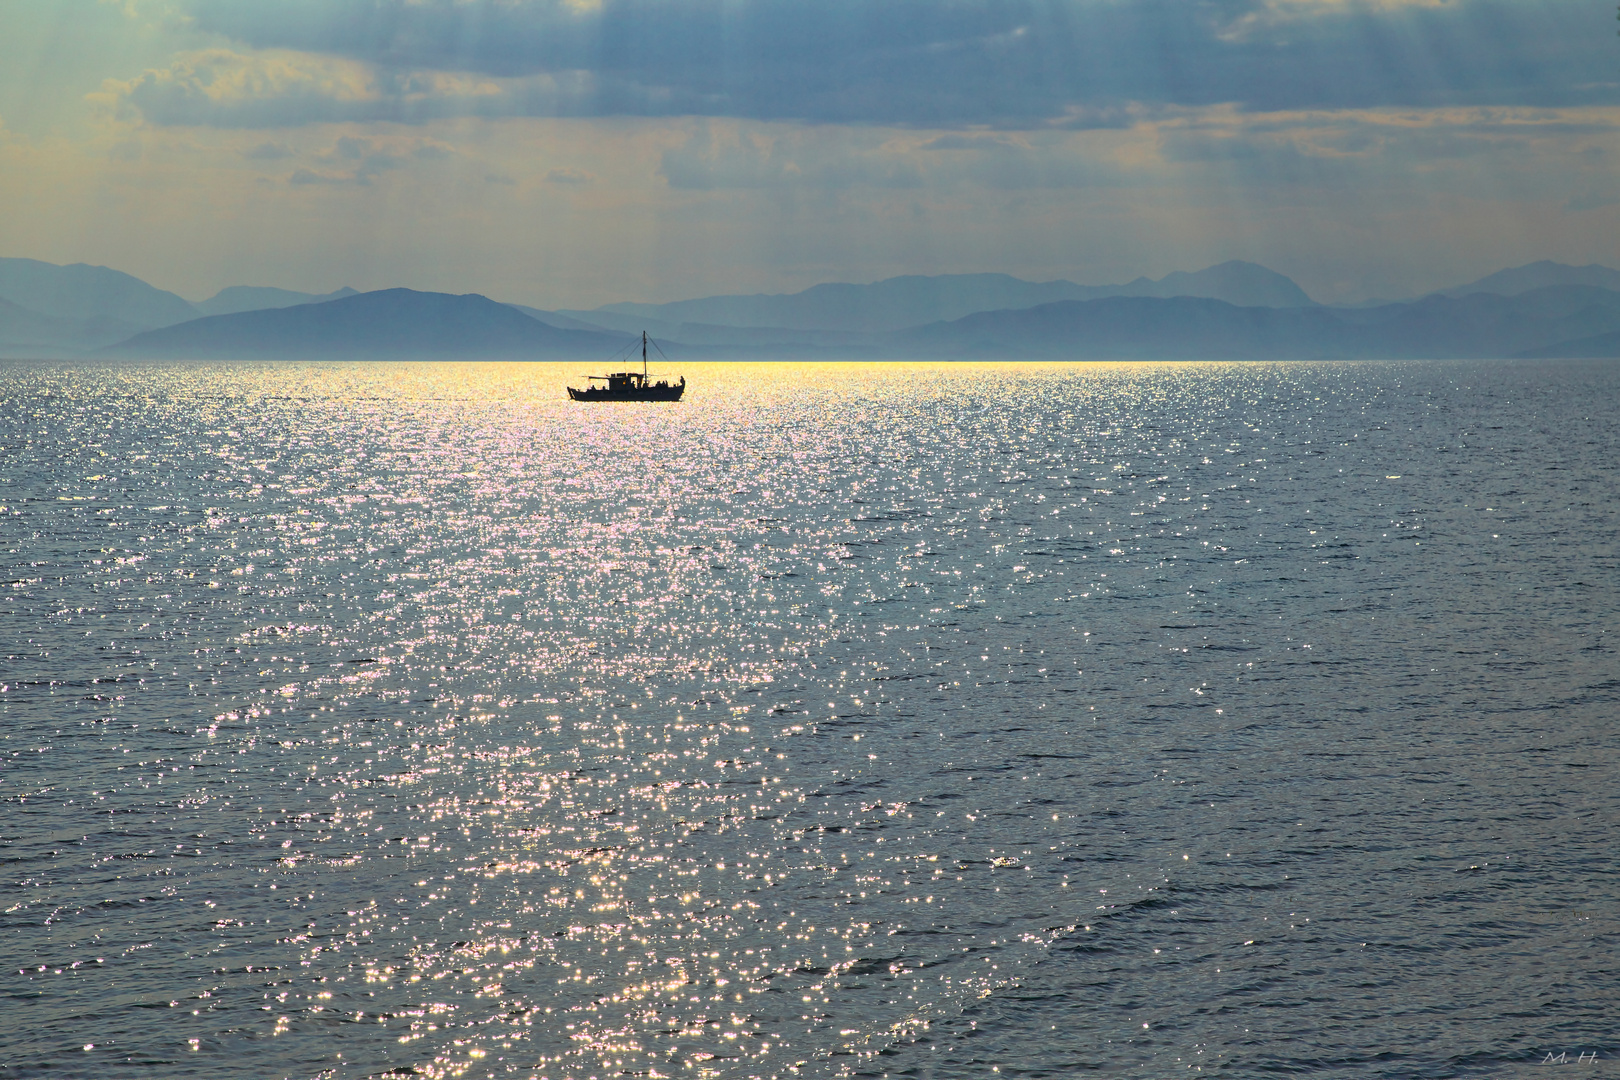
[{"x": 996, "y": 63}]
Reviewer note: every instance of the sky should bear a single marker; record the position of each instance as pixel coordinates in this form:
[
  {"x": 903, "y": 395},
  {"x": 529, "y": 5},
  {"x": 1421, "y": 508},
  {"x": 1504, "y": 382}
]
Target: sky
[{"x": 570, "y": 153}]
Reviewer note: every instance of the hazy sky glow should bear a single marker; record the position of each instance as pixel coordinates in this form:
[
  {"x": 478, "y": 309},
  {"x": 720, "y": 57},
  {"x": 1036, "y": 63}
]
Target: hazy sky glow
[{"x": 572, "y": 152}]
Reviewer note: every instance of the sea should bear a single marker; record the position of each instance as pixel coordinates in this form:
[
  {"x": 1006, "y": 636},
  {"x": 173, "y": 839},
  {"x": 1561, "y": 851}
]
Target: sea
[{"x": 841, "y": 720}]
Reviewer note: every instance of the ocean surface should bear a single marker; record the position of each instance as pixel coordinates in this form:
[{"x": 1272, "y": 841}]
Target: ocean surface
[{"x": 841, "y": 720}]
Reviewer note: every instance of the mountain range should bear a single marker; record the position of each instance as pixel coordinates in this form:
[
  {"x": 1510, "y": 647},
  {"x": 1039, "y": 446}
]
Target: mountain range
[
  {"x": 53, "y": 310},
  {"x": 1235, "y": 310},
  {"x": 1140, "y": 328},
  {"x": 901, "y": 302},
  {"x": 258, "y": 297},
  {"x": 400, "y": 324},
  {"x": 1538, "y": 275}
]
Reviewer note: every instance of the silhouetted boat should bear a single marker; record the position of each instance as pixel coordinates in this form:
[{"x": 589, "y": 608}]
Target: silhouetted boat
[{"x": 631, "y": 385}]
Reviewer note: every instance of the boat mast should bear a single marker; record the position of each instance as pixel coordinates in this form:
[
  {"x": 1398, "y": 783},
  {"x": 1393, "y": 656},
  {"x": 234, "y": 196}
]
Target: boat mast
[{"x": 644, "y": 356}]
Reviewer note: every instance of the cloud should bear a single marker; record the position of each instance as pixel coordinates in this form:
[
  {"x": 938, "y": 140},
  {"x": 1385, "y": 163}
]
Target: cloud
[
  {"x": 1472, "y": 153},
  {"x": 307, "y": 176},
  {"x": 267, "y": 151},
  {"x": 1559, "y": 152},
  {"x": 1592, "y": 200},
  {"x": 568, "y": 176},
  {"x": 1389, "y": 137},
  {"x": 996, "y": 63},
  {"x": 720, "y": 156},
  {"x": 224, "y": 88},
  {"x": 954, "y": 141},
  {"x": 358, "y": 159},
  {"x": 1270, "y": 15}
]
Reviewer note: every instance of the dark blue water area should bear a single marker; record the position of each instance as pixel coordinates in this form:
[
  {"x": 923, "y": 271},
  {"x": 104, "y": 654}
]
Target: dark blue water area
[{"x": 841, "y": 720}]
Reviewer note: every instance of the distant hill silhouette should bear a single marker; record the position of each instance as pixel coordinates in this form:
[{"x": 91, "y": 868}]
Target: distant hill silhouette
[
  {"x": 900, "y": 302},
  {"x": 1538, "y": 275},
  {"x": 24, "y": 332},
  {"x": 1478, "y": 325},
  {"x": 1234, "y": 310},
  {"x": 1243, "y": 284},
  {"x": 1132, "y": 328},
  {"x": 389, "y": 324},
  {"x": 1488, "y": 324},
  {"x": 87, "y": 293},
  {"x": 559, "y": 320},
  {"x": 885, "y": 305},
  {"x": 403, "y": 324},
  {"x": 258, "y": 297},
  {"x": 28, "y": 333},
  {"x": 1594, "y": 347}
]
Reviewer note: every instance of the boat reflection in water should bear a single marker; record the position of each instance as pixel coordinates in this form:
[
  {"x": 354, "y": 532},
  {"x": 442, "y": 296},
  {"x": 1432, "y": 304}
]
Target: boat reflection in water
[{"x": 631, "y": 385}]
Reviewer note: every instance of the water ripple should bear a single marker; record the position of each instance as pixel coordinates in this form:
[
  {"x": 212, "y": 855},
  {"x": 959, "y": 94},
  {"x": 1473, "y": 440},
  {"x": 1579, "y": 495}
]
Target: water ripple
[{"x": 842, "y": 720}]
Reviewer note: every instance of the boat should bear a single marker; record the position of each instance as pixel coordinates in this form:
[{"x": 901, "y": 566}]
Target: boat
[{"x": 631, "y": 385}]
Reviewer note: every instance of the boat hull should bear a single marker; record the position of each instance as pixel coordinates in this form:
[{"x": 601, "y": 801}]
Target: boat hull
[{"x": 645, "y": 393}]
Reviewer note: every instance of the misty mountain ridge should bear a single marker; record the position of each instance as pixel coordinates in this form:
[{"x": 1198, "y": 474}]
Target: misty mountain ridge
[
  {"x": 88, "y": 292},
  {"x": 1606, "y": 346},
  {"x": 1242, "y": 284},
  {"x": 51, "y": 309},
  {"x": 392, "y": 324},
  {"x": 1537, "y": 275},
  {"x": 404, "y": 324},
  {"x": 1478, "y": 325},
  {"x": 259, "y": 297},
  {"x": 23, "y": 330},
  {"x": 912, "y": 300},
  {"x": 78, "y": 309},
  {"x": 563, "y": 322}
]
